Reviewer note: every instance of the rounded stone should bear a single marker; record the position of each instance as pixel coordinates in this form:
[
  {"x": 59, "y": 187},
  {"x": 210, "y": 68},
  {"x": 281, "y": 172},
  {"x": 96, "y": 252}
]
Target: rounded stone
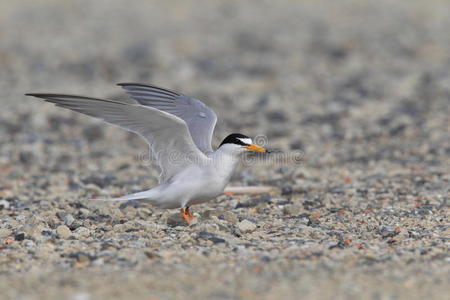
[
  {"x": 246, "y": 226},
  {"x": 63, "y": 231}
]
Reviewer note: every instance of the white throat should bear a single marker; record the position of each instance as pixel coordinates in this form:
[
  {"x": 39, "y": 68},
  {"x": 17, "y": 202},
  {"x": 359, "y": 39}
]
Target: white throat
[{"x": 224, "y": 162}]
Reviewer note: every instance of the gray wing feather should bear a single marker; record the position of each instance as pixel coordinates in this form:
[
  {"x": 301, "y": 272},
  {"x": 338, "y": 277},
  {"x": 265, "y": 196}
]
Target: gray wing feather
[
  {"x": 199, "y": 118},
  {"x": 163, "y": 131}
]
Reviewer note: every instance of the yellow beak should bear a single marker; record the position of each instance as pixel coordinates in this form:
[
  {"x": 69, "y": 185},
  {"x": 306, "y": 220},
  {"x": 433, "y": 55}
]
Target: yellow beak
[{"x": 256, "y": 148}]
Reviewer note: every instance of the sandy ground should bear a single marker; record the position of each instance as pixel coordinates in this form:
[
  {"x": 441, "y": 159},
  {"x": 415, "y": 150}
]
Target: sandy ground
[{"x": 356, "y": 94}]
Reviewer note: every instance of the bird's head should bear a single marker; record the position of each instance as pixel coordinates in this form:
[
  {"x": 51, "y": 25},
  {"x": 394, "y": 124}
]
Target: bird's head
[{"x": 237, "y": 143}]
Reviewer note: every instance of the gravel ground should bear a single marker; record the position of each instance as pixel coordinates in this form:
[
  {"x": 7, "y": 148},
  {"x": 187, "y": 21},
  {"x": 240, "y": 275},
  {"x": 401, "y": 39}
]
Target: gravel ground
[{"x": 359, "y": 90}]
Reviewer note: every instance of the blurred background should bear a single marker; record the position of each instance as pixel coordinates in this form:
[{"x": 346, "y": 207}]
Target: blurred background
[
  {"x": 362, "y": 88},
  {"x": 309, "y": 75}
]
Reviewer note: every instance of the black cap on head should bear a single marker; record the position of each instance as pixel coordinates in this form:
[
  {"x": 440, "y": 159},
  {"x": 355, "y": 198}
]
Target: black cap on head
[{"x": 235, "y": 138}]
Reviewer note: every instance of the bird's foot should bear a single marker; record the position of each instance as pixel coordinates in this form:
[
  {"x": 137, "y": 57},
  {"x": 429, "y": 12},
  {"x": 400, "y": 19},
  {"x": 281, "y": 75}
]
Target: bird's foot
[{"x": 186, "y": 214}]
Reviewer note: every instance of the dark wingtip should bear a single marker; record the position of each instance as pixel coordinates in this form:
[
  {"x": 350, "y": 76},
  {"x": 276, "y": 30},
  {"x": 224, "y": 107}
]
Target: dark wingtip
[
  {"x": 128, "y": 83},
  {"x": 124, "y": 84},
  {"x": 37, "y": 95}
]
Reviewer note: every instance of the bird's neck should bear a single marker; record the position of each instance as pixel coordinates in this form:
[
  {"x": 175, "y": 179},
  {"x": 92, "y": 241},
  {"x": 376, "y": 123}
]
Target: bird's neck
[{"x": 224, "y": 163}]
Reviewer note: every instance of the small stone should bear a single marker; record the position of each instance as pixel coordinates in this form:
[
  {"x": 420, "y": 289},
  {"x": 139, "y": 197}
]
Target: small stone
[
  {"x": 176, "y": 220},
  {"x": 63, "y": 231},
  {"x": 287, "y": 190},
  {"x": 264, "y": 198},
  {"x": 215, "y": 219},
  {"x": 262, "y": 208},
  {"x": 230, "y": 217},
  {"x": 211, "y": 212},
  {"x": 60, "y": 215},
  {"x": 75, "y": 224},
  {"x": 130, "y": 212},
  {"x": 313, "y": 221},
  {"x": 152, "y": 255},
  {"x": 92, "y": 188},
  {"x": 144, "y": 213},
  {"x": 246, "y": 226},
  {"x": 26, "y": 157},
  {"x": 4, "y": 204},
  {"x": 33, "y": 226},
  {"x": 291, "y": 209},
  {"x": 81, "y": 257},
  {"x": 35, "y": 233},
  {"x": 82, "y": 232},
  {"x": 98, "y": 262},
  {"x": 205, "y": 235},
  {"x": 115, "y": 213},
  {"x": 19, "y": 236},
  {"x": 88, "y": 223},
  {"x": 83, "y": 213},
  {"x": 68, "y": 219},
  {"x": 28, "y": 243},
  {"x": 47, "y": 234},
  {"x": 5, "y": 232},
  {"x": 52, "y": 221},
  {"x": 387, "y": 231}
]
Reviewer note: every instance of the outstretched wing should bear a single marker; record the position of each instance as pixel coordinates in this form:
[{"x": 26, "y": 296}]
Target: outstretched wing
[
  {"x": 199, "y": 118},
  {"x": 167, "y": 135}
]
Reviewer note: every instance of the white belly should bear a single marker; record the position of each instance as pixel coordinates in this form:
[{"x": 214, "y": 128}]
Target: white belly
[{"x": 191, "y": 186}]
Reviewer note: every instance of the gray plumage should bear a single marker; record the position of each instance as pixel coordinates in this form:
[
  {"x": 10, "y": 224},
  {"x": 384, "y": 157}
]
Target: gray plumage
[
  {"x": 199, "y": 118},
  {"x": 160, "y": 129}
]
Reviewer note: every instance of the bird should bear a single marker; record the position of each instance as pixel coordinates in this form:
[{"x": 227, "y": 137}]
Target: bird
[{"x": 179, "y": 131}]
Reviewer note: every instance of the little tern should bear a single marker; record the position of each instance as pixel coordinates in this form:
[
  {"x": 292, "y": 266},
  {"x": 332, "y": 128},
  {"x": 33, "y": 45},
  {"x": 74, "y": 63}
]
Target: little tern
[{"x": 178, "y": 130}]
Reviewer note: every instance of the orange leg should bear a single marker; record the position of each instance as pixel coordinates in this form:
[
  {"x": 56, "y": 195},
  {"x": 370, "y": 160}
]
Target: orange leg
[{"x": 186, "y": 214}]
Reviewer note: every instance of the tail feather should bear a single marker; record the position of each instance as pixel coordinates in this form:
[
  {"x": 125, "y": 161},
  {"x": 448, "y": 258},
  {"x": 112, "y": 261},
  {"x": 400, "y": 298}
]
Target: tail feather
[{"x": 135, "y": 196}]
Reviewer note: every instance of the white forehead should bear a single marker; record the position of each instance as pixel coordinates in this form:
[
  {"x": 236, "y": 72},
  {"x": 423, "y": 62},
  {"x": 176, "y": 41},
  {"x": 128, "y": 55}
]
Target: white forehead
[{"x": 246, "y": 140}]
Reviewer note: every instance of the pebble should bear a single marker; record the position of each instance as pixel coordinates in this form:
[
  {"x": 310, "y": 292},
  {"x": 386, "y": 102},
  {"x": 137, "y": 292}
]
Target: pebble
[
  {"x": 4, "y": 232},
  {"x": 246, "y": 226},
  {"x": 174, "y": 220},
  {"x": 19, "y": 236},
  {"x": 83, "y": 213},
  {"x": 93, "y": 189},
  {"x": 230, "y": 217},
  {"x": 144, "y": 213},
  {"x": 210, "y": 236},
  {"x": 387, "y": 231},
  {"x": 81, "y": 257},
  {"x": 292, "y": 209},
  {"x": 207, "y": 214},
  {"x": 68, "y": 219},
  {"x": 81, "y": 232},
  {"x": 367, "y": 174},
  {"x": 130, "y": 212},
  {"x": 264, "y": 198},
  {"x": 28, "y": 243},
  {"x": 4, "y": 204},
  {"x": 63, "y": 231},
  {"x": 75, "y": 224},
  {"x": 286, "y": 190}
]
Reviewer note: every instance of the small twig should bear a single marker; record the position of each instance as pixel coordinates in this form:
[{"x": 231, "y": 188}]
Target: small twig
[{"x": 235, "y": 190}]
